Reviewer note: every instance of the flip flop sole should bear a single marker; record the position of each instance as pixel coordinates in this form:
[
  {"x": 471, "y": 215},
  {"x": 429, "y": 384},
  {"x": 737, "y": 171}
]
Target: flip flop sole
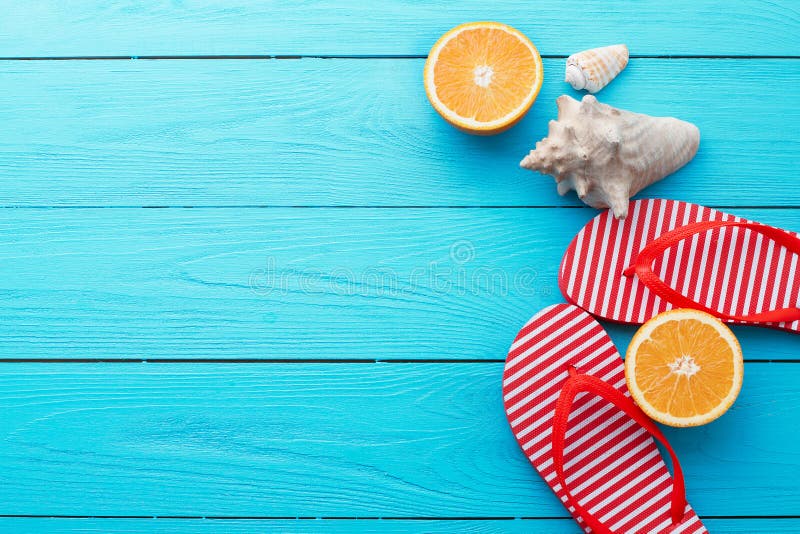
[
  {"x": 612, "y": 466},
  {"x": 734, "y": 270}
]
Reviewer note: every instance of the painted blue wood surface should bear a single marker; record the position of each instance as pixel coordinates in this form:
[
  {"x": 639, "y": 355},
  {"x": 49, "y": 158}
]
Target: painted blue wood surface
[
  {"x": 349, "y": 526},
  {"x": 358, "y": 133},
  {"x": 345, "y": 526},
  {"x": 288, "y": 283},
  {"x": 351, "y": 27},
  {"x": 334, "y": 440},
  {"x": 268, "y": 148}
]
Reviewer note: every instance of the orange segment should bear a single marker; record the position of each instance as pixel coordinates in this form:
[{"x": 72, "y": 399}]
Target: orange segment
[
  {"x": 482, "y": 77},
  {"x": 684, "y": 368}
]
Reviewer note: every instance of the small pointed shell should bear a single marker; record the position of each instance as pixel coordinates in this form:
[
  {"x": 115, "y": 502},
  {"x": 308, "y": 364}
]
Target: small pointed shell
[{"x": 594, "y": 69}]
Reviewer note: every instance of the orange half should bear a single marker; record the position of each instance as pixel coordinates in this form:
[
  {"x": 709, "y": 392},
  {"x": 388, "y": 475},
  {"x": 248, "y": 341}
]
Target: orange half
[
  {"x": 684, "y": 368},
  {"x": 482, "y": 77}
]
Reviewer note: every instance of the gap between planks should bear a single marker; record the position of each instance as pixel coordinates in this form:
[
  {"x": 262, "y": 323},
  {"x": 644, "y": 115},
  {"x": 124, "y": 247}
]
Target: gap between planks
[
  {"x": 354, "y": 518},
  {"x": 290, "y": 518},
  {"x": 291, "y": 361},
  {"x": 353, "y": 206},
  {"x": 345, "y": 56}
]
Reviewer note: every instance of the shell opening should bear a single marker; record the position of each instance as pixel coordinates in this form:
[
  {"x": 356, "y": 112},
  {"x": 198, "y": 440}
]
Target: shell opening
[{"x": 574, "y": 76}]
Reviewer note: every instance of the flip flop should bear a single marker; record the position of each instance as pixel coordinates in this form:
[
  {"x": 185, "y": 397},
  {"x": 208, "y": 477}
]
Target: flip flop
[
  {"x": 569, "y": 408},
  {"x": 668, "y": 254}
]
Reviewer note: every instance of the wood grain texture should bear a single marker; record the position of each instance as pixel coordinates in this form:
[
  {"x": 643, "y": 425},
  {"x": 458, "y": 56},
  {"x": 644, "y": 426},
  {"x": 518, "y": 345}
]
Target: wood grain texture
[
  {"x": 337, "y": 439},
  {"x": 512, "y": 526},
  {"x": 333, "y": 440},
  {"x": 357, "y": 132},
  {"x": 98, "y": 28},
  {"x": 291, "y": 283}
]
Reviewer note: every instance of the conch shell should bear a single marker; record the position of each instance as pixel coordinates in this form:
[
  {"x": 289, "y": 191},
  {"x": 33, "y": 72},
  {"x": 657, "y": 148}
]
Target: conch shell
[
  {"x": 594, "y": 69},
  {"x": 607, "y": 155}
]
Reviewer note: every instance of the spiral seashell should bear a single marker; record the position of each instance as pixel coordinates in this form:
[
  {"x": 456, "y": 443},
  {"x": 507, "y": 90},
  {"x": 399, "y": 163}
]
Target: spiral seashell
[
  {"x": 594, "y": 69},
  {"x": 607, "y": 155}
]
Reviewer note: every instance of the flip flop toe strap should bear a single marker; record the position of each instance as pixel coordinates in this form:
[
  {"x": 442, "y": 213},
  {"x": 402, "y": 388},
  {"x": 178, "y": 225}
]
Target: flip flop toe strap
[
  {"x": 643, "y": 269},
  {"x": 578, "y": 383}
]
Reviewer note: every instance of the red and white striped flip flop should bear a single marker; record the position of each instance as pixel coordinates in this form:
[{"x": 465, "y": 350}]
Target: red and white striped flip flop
[
  {"x": 569, "y": 408},
  {"x": 668, "y": 254}
]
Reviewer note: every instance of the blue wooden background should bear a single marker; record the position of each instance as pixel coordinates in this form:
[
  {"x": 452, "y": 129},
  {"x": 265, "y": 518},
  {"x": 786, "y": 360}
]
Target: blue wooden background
[{"x": 250, "y": 281}]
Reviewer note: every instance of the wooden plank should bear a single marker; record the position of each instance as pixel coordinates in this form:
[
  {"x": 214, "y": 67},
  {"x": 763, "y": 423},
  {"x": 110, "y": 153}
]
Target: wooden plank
[
  {"x": 356, "y": 132},
  {"x": 182, "y": 526},
  {"x": 291, "y": 283},
  {"x": 335, "y": 440},
  {"x": 98, "y": 28}
]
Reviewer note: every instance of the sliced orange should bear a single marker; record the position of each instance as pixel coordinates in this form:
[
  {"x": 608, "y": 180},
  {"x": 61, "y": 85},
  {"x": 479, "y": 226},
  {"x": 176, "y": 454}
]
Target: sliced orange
[
  {"x": 482, "y": 77},
  {"x": 684, "y": 368}
]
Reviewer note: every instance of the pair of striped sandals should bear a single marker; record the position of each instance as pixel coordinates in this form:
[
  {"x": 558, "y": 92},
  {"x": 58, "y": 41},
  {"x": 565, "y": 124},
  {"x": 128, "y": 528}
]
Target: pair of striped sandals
[{"x": 564, "y": 381}]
